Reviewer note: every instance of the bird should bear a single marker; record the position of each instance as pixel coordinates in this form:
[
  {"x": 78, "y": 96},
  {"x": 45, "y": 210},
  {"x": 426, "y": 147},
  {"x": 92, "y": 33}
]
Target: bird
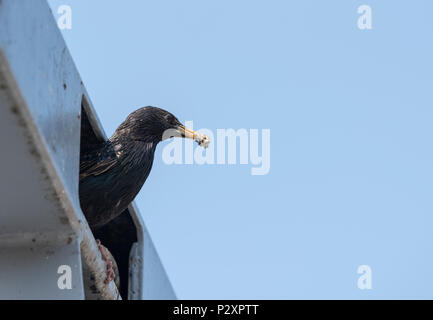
[{"x": 112, "y": 173}]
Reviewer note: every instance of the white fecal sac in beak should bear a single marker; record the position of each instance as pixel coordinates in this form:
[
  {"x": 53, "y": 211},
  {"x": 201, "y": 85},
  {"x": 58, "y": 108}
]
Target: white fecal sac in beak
[{"x": 202, "y": 139}]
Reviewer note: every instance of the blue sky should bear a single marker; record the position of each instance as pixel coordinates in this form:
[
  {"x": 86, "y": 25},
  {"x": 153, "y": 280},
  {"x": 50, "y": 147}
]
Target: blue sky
[{"x": 350, "y": 113}]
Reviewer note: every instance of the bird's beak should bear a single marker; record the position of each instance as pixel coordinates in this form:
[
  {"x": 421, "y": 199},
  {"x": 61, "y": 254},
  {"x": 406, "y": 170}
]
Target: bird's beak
[{"x": 202, "y": 139}]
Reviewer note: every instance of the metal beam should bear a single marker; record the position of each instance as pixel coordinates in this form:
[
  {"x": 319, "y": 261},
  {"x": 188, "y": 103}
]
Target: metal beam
[{"x": 41, "y": 223}]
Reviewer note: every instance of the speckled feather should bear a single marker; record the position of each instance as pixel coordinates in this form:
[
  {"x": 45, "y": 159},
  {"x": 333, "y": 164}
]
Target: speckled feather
[
  {"x": 113, "y": 174},
  {"x": 108, "y": 186}
]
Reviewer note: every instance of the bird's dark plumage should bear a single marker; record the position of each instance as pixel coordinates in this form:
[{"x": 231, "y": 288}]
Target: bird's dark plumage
[{"x": 112, "y": 174}]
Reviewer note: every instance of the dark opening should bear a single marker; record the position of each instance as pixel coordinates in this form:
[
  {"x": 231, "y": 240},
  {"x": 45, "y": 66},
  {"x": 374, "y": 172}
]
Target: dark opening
[{"x": 120, "y": 234}]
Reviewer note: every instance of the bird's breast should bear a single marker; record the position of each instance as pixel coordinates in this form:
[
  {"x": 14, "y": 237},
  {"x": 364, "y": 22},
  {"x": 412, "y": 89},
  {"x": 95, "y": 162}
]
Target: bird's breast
[{"x": 103, "y": 197}]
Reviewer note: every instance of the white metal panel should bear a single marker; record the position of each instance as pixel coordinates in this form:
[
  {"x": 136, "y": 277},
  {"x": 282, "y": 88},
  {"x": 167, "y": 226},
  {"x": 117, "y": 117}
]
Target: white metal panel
[{"x": 41, "y": 223}]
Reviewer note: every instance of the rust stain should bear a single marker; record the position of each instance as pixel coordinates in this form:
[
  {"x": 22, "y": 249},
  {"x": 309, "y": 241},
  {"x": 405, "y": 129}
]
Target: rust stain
[{"x": 64, "y": 220}]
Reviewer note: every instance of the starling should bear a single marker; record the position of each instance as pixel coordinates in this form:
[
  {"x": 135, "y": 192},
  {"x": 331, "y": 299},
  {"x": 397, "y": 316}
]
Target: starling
[{"x": 112, "y": 174}]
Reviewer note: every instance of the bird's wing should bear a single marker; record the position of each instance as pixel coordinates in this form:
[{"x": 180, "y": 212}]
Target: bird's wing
[{"x": 97, "y": 162}]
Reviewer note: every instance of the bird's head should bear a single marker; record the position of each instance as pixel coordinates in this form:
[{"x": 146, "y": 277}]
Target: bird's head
[{"x": 155, "y": 124}]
